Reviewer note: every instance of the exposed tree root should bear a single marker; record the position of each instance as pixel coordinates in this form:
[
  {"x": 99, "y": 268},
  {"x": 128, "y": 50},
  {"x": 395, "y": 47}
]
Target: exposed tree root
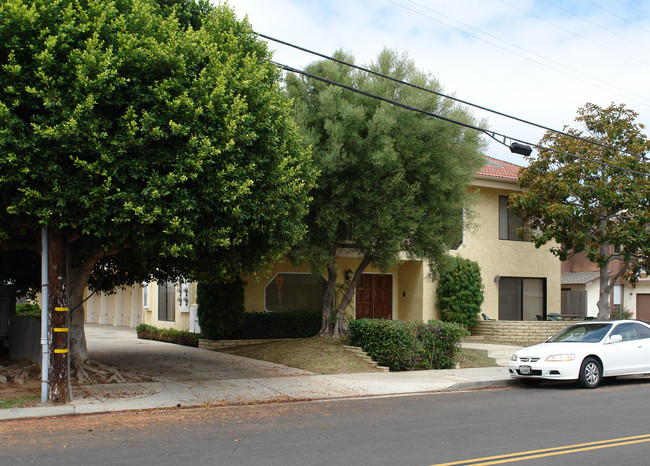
[{"x": 92, "y": 372}]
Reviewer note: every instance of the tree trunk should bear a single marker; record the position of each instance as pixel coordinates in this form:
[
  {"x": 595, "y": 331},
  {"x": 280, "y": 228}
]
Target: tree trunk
[
  {"x": 340, "y": 328},
  {"x": 603, "y": 294},
  {"x": 328, "y": 297},
  {"x": 78, "y": 279},
  {"x": 78, "y": 348}
]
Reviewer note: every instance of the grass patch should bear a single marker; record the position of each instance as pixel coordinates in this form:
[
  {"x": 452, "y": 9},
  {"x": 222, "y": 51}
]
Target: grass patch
[
  {"x": 22, "y": 402},
  {"x": 317, "y": 354},
  {"x": 327, "y": 356},
  {"x": 469, "y": 358}
]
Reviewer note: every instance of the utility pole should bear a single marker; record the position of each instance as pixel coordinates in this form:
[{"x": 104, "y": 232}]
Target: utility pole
[{"x": 59, "y": 377}]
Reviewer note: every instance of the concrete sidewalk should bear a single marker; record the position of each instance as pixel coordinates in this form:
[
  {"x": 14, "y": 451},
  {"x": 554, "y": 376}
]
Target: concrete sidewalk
[{"x": 178, "y": 376}]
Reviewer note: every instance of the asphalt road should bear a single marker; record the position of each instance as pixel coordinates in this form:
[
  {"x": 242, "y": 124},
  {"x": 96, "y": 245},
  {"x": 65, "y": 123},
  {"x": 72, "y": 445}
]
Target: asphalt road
[{"x": 546, "y": 425}]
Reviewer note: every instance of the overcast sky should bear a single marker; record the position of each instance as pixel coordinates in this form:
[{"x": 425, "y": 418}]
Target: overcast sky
[{"x": 539, "y": 60}]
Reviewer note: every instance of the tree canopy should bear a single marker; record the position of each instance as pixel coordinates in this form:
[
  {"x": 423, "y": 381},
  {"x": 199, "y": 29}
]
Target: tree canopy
[
  {"x": 391, "y": 180},
  {"x": 592, "y": 199},
  {"x": 153, "y": 137}
]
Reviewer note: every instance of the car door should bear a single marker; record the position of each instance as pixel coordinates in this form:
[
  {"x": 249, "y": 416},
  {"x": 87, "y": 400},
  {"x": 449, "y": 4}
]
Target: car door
[
  {"x": 644, "y": 340},
  {"x": 626, "y": 356}
]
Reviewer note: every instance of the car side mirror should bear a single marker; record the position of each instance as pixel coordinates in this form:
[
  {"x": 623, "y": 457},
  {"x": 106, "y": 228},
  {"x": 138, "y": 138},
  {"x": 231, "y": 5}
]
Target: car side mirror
[{"x": 615, "y": 338}]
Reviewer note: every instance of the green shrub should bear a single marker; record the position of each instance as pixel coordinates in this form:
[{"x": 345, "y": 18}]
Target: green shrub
[
  {"x": 439, "y": 343},
  {"x": 620, "y": 314},
  {"x": 220, "y": 308},
  {"x": 179, "y": 337},
  {"x": 28, "y": 310},
  {"x": 391, "y": 343},
  {"x": 401, "y": 345},
  {"x": 460, "y": 291}
]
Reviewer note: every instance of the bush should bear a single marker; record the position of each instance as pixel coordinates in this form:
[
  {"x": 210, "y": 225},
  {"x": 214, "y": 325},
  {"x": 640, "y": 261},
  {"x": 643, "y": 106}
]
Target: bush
[
  {"x": 179, "y": 337},
  {"x": 460, "y": 292},
  {"x": 220, "y": 308},
  {"x": 28, "y": 310},
  {"x": 391, "y": 343},
  {"x": 439, "y": 343},
  {"x": 620, "y": 314},
  {"x": 402, "y": 345}
]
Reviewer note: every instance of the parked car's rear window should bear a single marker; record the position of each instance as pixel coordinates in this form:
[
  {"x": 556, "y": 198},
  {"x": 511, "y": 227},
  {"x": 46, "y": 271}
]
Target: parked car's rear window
[{"x": 585, "y": 333}]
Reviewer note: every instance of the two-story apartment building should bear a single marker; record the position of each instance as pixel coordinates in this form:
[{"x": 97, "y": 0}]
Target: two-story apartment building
[{"x": 520, "y": 281}]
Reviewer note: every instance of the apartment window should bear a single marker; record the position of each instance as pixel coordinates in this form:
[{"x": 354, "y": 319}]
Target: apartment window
[
  {"x": 295, "y": 292},
  {"x": 145, "y": 296},
  {"x": 509, "y": 223},
  {"x": 522, "y": 298},
  {"x": 617, "y": 297},
  {"x": 166, "y": 302}
]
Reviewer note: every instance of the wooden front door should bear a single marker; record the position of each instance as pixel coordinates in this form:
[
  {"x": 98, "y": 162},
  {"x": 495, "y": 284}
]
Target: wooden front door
[{"x": 374, "y": 297}]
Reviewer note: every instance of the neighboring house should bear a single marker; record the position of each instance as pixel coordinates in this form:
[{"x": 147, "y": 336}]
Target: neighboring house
[
  {"x": 581, "y": 288},
  {"x": 520, "y": 281}
]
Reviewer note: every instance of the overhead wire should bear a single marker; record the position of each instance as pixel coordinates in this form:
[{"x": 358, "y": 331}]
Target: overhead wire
[
  {"x": 588, "y": 21},
  {"x": 446, "y": 96},
  {"x": 561, "y": 69},
  {"x": 492, "y": 134},
  {"x": 562, "y": 28},
  {"x": 617, "y": 16}
]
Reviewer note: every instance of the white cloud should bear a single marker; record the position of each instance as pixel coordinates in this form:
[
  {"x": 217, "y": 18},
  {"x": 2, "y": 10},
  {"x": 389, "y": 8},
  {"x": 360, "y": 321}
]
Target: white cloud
[{"x": 537, "y": 59}]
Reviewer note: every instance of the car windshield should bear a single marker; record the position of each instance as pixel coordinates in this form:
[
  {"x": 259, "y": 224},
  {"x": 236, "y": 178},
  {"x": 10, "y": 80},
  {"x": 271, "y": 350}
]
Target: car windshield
[{"x": 585, "y": 333}]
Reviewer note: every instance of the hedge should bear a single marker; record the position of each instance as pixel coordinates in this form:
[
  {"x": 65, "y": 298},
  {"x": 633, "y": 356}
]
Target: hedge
[
  {"x": 408, "y": 345},
  {"x": 257, "y": 326},
  {"x": 168, "y": 335}
]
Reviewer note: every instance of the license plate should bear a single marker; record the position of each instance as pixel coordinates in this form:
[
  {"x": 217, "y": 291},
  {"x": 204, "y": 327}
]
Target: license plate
[{"x": 524, "y": 370}]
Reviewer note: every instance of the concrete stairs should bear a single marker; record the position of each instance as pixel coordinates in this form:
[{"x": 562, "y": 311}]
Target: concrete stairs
[
  {"x": 500, "y": 354},
  {"x": 363, "y": 355}
]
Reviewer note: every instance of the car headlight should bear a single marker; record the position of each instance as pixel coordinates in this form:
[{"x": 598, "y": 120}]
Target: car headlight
[
  {"x": 513, "y": 357},
  {"x": 561, "y": 357}
]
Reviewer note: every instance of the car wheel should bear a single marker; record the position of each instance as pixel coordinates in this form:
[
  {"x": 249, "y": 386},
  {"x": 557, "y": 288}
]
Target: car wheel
[{"x": 590, "y": 373}]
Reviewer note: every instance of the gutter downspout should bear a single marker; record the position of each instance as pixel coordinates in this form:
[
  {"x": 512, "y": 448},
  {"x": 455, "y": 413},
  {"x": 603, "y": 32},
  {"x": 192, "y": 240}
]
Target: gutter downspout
[{"x": 45, "y": 308}]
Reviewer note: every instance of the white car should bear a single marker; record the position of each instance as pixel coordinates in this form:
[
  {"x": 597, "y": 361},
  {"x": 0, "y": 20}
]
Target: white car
[{"x": 586, "y": 352}]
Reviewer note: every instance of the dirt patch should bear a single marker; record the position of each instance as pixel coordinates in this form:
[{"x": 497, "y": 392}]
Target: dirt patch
[
  {"x": 317, "y": 354},
  {"x": 20, "y": 383}
]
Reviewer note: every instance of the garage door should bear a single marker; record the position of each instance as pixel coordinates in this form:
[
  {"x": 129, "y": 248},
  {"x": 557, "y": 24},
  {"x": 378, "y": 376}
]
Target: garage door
[{"x": 643, "y": 306}]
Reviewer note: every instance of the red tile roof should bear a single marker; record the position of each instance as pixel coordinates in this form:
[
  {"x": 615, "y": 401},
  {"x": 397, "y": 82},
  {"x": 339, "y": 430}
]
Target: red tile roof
[{"x": 495, "y": 168}]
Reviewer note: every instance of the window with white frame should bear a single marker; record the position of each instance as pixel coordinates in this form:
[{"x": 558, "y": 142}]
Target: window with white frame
[
  {"x": 145, "y": 296},
  {"x": 166, "y": 302}
]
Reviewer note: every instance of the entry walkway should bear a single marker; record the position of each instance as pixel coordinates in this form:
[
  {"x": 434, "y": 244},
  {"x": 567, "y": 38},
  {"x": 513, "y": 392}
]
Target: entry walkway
[{"x": 179, "y": 376}]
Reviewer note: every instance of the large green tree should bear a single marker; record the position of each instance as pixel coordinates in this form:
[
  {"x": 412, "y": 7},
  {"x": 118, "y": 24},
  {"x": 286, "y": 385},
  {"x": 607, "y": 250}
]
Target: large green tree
[
  {"x": 592, "y": 199},
  {"x": 152, "y": 138},
  {"x": 391, "y": 180}
]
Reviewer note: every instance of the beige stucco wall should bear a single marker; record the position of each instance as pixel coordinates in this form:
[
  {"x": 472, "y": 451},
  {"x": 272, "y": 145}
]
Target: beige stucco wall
[
  {"x": 504, "y": 258},
  {"x": 122, "y": 308},
  {"x": 409, "y": 291}
]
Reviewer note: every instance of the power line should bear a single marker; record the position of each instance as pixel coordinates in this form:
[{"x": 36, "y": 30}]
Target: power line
[
  {"x": 614, "y": 33},
  {"x": 464, "y": 102},
  {"x": 611, "y": 49},
  {"x": 494, "y": 135},
  {"x": 617, "y": 16},
  {"x": 515, "y": 46}
]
